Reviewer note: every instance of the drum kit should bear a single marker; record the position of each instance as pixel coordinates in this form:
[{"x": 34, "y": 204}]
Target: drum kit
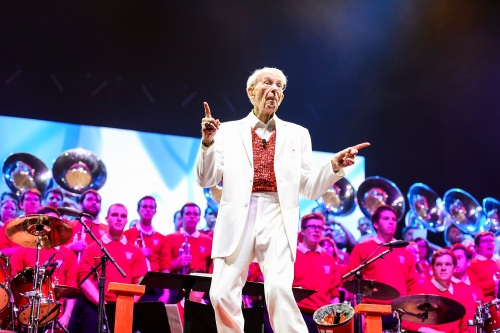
[
  {"x": 420, "y": 308},
  {"x": 29, "y": 299}
]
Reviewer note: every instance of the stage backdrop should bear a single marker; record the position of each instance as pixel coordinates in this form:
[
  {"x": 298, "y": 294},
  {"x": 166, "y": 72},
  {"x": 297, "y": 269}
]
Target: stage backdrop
[{"x": 137, "y": 164}]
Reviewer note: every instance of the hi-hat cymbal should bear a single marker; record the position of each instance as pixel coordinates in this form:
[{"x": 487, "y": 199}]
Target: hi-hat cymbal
[
  {"x": 61, "y": 291},
  {"x": 372, "y": 289},
  {"x": 31, "y": 230},
  {"x": 437, "y": 309}
]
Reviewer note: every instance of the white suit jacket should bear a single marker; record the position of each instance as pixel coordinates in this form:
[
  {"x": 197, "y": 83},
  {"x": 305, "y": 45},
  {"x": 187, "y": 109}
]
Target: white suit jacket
[{"x": 231, "y": 158}]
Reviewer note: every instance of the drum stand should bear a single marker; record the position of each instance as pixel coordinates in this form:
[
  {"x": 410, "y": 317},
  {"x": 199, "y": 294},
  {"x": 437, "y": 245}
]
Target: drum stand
[
  {"x": 478, "y": 321},
  {"x": 37, "y": 293},
  {"x": 399, "y": 313},
  {"x": 102, "y": 280},
  {"x": 357, "y": 275}
]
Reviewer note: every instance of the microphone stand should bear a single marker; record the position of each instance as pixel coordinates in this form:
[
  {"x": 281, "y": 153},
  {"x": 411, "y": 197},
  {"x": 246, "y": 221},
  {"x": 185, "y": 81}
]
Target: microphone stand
[
  {"x": 357, "y": 275},
  {"x": 102, "y": 280}
]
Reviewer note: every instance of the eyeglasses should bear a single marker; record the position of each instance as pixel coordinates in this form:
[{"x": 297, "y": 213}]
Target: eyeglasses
[
  {"x": 315, "y": 227},
  {"x": 267, "y": 83}
]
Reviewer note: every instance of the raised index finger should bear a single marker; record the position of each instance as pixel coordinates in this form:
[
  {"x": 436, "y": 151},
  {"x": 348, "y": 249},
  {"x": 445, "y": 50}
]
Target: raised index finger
[
  {"x": 207, "y": 110},
  {"x": 361, "y": 145}
]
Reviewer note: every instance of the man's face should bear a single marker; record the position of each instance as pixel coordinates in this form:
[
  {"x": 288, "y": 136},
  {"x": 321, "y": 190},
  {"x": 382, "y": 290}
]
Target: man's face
[
  {"x": 53, "y": 199},
  {"x": 147, "y": 209},
  {"x": 91, "y": 204},
  {"x": 190, "y": 218},
  {"x": 8, "y": 211},
  {"x": 443, "y": 268},
  {"x": 312, "y": 232},
  {"x": 408, "y": 236},
  {"x": 455, "y": 235},
  {"x": 386, "y": 224},
  {"x": 364, "y": 227},
  {"x": 462, "y": 262},
  {"x": 211, "y": 218},
  {"x": 486, "y": 246},
  {"x": 31, "y": 203},
  {"x": 117, "y": 219},
  {"x": 267, "y": 94}
]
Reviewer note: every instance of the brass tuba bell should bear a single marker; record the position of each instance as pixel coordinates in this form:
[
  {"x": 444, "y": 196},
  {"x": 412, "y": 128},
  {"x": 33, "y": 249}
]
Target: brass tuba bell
[
  {"x": 465, "y": 212},
  {"x": 427, "y": 207},
  {"x": 375, "y": 191},
  {"x": 339, "y": 198},
  {"x": 22, "y": 171},
  {"x": 491, "y": 206},
  {"x": 77, "y": 170}
]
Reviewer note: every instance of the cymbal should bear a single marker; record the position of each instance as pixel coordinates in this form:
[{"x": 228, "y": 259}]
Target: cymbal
[
  {"x": 30, "y": 230},
  {"x": 61, "y": 291},
  {"x": 372, "y": 289},
  {"x": 439, "y": 310}
]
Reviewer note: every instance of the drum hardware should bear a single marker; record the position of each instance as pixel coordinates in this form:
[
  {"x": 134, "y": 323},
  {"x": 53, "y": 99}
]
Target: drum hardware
[
  {"x": 5, "y": 272},
  {"x": 341, "y": 315},
  {"x": 356, "y": 272},
  {"x": 22, "y": 171},
  {"x": 372, "y": 289},
  {"x": 429, "y": 309},
  {"x": 466, "y": 213},
  {"x": 487, "y": 317},
  {"x": 36, "y": 231},
  {"x": 376, "y": 191},
  {"x": 339, "y": 199},
  {"x": 61, "y": 291}
]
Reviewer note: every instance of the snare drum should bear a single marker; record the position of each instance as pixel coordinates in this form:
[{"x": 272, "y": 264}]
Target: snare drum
[
  {"x": 491, "y": 315},
  {"x": 345, "y": 323},
  {"x": 4, "y": 280},
  {"x": 22, "y": 283}
]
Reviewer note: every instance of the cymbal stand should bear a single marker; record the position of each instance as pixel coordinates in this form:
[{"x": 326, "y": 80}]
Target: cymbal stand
[
  {"x": 37, "y": 293},
  {"x": 102, "y": 280},
  {"x": 357, "y": 275},
  {"x": 398, "y": 313},
  {"x": 478, "y": 321}
]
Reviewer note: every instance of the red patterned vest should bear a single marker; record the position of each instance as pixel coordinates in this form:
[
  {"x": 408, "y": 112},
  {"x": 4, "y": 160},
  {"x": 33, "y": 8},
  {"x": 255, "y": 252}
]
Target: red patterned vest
[{"x": 264, "y": 179}]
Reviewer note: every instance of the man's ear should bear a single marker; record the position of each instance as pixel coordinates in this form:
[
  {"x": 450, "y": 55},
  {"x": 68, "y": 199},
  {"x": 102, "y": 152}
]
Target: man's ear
[{"x": 251, "y": 92}]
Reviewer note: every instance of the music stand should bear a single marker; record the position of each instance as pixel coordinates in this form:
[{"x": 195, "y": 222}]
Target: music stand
[
  {"x": 149, "y": 317},
  {"x": 201, "y": 317}
]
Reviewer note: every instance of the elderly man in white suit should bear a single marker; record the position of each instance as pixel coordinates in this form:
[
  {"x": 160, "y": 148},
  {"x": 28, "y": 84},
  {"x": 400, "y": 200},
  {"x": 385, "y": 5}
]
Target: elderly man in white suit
[{"x": 265, "y": 164}]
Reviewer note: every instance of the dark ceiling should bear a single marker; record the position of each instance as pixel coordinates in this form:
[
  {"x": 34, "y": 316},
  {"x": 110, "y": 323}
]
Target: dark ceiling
[{"x": 419, "y": 79}]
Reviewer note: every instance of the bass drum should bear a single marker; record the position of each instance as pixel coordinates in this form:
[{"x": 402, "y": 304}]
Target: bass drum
[
  {"x": 4, "y": 282},
  {"x": 22, "y": 283}
]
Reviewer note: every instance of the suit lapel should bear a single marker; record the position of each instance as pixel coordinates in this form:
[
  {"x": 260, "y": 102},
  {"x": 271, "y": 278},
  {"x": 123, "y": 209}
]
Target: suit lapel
[
  {"x": 246, "y": 138},
  {"x": 281, "y": 130}
]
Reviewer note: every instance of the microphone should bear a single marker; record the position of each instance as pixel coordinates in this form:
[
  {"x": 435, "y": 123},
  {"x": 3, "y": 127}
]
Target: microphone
[
  {"x": 73, "y": 212},
  {"x": 48, "y": 263},
  {"x": 396, "y": 243},
  {"x": 264, "y": 143}
]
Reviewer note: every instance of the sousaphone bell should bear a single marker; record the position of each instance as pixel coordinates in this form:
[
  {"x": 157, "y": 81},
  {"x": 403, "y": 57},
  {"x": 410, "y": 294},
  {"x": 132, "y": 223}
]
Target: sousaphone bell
[
  {"x": 465, "y": 211},
  {"x": 77, "y": 170},
  {"x": 427, "y": 207},
  {"x": 376, "y": 191},
  {"x": 339, "y": 199},
  {"x": 491, "y": 206},
  {"x": 23, "y": 171}
]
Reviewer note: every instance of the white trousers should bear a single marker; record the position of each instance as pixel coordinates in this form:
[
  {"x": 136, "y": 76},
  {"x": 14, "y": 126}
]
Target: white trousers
[{"x": 264, "y": 238}]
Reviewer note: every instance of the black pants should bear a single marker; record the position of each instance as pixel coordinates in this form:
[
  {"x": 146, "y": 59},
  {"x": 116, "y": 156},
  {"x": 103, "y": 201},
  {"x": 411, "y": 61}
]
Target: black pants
[{"x": 84, "y": 318}]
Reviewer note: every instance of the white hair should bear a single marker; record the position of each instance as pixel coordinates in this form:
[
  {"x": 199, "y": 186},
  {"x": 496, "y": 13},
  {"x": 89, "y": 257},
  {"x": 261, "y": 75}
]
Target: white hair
[{"x": 252, "y": 79}]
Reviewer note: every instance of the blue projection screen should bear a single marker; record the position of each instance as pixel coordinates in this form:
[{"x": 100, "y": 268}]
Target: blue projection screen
[{"x": 137, "y": 164}]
